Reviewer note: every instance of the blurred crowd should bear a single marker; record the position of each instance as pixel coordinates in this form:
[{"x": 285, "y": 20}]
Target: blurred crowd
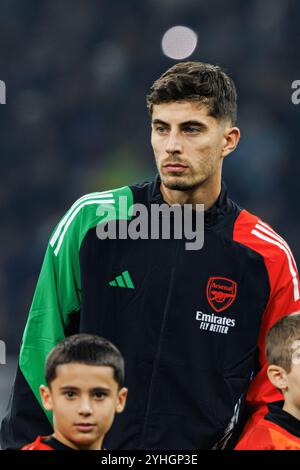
[{"x": 77, "y": 73}]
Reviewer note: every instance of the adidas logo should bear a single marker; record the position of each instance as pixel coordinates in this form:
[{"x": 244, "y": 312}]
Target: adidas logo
[{"x": 123, "y": 280}]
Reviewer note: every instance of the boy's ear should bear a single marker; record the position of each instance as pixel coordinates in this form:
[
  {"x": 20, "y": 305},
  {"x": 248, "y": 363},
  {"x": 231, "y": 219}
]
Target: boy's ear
[
  {"x": 122, "y": 396},
  {"x": 46, "y": 397},
  {"x": 278, "y": 377}
]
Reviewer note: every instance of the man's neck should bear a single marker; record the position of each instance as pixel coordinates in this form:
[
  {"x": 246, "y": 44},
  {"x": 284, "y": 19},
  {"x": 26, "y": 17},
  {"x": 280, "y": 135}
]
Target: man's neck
[{"x": 204, "y": 194}]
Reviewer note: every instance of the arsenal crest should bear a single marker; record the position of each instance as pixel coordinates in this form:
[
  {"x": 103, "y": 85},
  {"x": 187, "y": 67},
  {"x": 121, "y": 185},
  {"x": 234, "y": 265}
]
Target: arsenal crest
[{"x": 220, "y": 292}]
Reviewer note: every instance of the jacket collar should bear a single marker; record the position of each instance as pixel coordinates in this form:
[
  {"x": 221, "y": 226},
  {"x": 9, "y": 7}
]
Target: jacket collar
[
  {"x": 211, "y": 215},
  {"x": 283, "y": 419}
]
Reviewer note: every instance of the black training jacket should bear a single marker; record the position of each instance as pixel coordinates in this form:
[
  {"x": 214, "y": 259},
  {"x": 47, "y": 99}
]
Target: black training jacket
[{"x": 191, "y": 324}]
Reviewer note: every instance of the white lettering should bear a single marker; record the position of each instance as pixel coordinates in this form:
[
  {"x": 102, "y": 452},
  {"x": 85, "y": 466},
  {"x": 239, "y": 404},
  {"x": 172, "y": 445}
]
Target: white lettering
[
  {"x": 296, "y": 94},
  {"x": 2, "y": 92},
  {"x": 214, "y": 323},
  {"x": 2, "y": 352}
]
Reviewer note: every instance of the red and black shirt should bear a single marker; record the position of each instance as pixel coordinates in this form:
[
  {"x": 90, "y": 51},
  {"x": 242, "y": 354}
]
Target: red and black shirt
[
  {"x": 46, "y": 443},
  {"x": 278, "y": 430}
]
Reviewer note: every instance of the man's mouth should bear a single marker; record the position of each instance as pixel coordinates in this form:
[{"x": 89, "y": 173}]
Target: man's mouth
[{"x": 175, "y": 167}]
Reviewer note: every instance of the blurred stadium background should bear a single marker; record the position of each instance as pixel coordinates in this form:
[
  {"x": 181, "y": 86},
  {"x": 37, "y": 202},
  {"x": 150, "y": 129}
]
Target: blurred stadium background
[{"x": 77, "y": 72}]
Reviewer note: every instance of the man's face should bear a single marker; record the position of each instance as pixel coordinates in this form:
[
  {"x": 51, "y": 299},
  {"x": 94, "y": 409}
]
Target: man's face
[
  {"x": 84, "y": 400},
  {"x": 188, "y": 144}
]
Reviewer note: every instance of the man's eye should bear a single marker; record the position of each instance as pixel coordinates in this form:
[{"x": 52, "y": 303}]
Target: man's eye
[
  {"x": 192, "y": 130},
  {"x": 160, "y": 130}
]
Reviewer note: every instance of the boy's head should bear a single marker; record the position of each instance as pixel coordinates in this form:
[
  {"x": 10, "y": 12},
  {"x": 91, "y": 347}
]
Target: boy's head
[
  {"x": 283, "y": 356},
  {"x": 85, "y": 378}
]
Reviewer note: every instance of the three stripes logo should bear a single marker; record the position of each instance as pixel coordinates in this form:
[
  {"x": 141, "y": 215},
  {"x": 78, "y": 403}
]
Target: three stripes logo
[
  {"x": 266, "y": 233},
  {"x": 123, "y": 280},
  {"x": 105, "y": 197}
]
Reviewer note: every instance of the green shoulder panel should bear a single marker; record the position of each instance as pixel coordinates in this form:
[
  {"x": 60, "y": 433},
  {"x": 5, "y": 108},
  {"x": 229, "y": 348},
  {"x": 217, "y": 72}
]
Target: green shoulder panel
[{"x": 58, "y": 290}]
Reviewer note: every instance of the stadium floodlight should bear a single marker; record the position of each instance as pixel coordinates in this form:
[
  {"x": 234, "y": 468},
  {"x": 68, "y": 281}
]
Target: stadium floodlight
[{"x": 179, "y": 42}]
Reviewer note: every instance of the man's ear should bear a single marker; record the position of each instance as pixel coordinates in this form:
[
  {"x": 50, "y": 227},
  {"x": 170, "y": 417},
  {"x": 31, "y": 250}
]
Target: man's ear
[
  {"x": 46, "y": 397},
  {"x": 122, "y": 396},
  {"x": 230, "y": 140},
  {"x": 278, "y": 377}
]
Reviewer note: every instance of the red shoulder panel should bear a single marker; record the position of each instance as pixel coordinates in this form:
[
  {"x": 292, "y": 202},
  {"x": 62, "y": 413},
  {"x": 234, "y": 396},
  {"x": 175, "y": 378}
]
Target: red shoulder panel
[{"x": 284, "y": 297}]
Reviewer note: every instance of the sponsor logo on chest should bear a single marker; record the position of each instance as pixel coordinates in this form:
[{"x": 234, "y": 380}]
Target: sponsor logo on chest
[{"x": 221, "y": 293}]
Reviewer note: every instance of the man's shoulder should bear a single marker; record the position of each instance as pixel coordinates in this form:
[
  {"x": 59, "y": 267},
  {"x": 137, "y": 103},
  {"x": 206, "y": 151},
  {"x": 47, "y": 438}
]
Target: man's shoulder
[
  {"x": 108, "y": 196},
  {"x": 251, "y": 231},
  {"x": 260, "y": 238},
  {"x": 87, "y": 212},
  {"x": 120, "y": 198}
]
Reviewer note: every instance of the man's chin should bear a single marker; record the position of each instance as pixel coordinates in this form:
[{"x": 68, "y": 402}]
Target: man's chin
[{"x": 177, "y": 183}]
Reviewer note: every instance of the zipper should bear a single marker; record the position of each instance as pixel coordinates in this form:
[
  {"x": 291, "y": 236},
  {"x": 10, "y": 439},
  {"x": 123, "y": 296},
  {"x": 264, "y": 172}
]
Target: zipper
[{"x": 157, "y": 358}]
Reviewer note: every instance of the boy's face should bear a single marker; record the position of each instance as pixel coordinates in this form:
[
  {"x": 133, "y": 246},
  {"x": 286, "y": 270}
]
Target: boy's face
[
  {"x": 293, "y": 385},
  {"x": 84, "y": 400}
]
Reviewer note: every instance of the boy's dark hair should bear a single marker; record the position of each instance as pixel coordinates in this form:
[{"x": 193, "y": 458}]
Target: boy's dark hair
[
  {"x": 280, "y": 339},
  {"x": 197, "y": 81},
  {"x": 85, "y": 349}
]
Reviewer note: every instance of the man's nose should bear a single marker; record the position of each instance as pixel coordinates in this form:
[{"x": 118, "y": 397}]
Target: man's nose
[
  {"x": 85, "y": 408},
  {"x": 174, "y": 143}
]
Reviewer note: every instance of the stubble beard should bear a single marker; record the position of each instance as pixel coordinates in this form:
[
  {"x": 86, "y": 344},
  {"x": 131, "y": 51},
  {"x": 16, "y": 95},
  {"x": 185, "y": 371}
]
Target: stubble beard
[{"x": 182, "y": 183}]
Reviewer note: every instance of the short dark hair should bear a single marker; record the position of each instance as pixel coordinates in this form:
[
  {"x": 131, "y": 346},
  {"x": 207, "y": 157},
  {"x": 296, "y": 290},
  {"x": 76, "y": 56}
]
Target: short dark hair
[
  {"x": 85, "y": 349},
  {"x": 196, "y": 81},
  {"x": 280, "y": 339}
]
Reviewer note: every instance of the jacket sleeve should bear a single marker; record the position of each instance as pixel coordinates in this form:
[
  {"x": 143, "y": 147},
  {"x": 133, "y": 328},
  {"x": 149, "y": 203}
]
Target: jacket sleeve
[
  {"x": 55, "y": 311},
  {"x": 283, "y": 300},
  {"x": 53, "y": 314}
]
